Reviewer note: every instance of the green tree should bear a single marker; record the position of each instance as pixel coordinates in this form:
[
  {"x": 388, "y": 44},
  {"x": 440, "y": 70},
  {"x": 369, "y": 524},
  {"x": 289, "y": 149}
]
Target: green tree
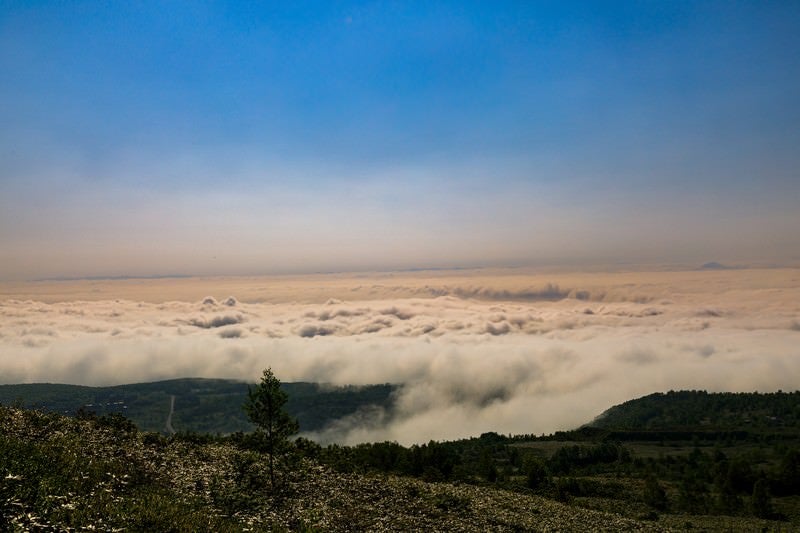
[
  {"x": 789, "y": 473},
  {"x": 654, "y": 494},
  {"x": 693, "y": 494},
  {"x": 761, "y": 502},
  {"x": 265, "y": 408},
  {"x": 535, "y": 472},
  {"x": 487, "y": 466}
]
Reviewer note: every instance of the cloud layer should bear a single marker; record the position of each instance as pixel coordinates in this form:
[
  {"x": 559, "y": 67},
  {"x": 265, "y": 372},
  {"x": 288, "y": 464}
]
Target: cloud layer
[{"x": 472, "y": 357}]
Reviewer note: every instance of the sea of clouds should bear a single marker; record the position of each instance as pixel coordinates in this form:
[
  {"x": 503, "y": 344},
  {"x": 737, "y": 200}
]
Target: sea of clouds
[{"x": 470, "y": 358}]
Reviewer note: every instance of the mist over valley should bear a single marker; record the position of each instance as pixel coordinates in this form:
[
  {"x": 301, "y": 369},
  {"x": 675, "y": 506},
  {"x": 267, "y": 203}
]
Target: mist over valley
[{"x": 474, "y": 351}]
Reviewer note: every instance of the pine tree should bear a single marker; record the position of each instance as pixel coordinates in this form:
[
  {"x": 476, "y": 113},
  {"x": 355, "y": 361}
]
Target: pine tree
[
  {"x": 761, "y": 501},
  {"x": 536, "y": 474},
  {"x": 654, "y": 494},
  {"x": 265, "y": 408}
]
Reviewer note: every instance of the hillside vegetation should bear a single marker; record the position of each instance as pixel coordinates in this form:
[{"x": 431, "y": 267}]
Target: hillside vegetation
[
  {"x": 682, "y": 459},
  {"x": 675, "y": 461},
  {"x": 201, "y": 405},
  {"x": 700, "y": 410},
  {"x": 71, "y": 474}
]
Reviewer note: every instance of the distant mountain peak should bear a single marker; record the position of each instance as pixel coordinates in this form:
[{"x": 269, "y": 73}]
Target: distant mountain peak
[{"x": 713, "y": 265}]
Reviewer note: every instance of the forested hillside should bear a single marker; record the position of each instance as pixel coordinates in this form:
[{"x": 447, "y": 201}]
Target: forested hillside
[
  {"x": 722, "y": 461},
  {"x": 682, "y": 410},
  {"x": 717, "y": 469},
  {"x": 201, "y": 405}
]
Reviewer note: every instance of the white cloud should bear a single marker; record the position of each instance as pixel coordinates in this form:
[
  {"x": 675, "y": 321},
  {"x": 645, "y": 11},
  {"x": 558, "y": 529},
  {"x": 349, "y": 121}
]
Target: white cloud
[{"x": 467, "y": 365}]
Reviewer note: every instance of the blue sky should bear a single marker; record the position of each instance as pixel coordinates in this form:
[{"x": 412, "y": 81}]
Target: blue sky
[{"x": 243, "y": 138}]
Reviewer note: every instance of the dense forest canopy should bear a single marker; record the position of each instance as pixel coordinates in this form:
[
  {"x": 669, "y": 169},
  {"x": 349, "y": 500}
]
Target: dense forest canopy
[{"x": 701, "y": 409}]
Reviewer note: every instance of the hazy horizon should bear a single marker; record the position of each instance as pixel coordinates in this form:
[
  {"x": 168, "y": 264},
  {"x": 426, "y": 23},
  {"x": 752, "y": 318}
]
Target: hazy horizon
[{"x": 229, "y": 139}]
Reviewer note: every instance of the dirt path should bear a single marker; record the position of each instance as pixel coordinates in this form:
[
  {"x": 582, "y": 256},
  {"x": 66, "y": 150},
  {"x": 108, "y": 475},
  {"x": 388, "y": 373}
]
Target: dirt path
[{"x": 168, "y": 425}]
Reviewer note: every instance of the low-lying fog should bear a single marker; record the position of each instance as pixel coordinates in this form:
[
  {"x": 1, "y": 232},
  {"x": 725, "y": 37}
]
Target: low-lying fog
[{"x": 476, "y": 351}]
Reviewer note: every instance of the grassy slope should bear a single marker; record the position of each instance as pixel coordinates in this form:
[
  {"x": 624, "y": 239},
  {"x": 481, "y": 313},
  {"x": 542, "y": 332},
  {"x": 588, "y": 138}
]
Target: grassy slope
[
  {"x": 59, "y": 473},
  {"x": 322, "y": 497}
]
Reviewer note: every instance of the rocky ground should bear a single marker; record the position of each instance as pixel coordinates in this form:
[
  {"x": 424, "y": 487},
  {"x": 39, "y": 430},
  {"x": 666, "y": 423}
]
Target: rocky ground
[{"x": 61, "y": 474}]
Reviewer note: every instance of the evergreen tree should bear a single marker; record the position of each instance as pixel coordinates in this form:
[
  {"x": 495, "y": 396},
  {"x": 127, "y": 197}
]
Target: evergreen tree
[
  {"x": 761, "y": 501},
  {"x": 693, "y": 494},
  {"x": 654, "y": 494},
  {"x": 487, "y": 466},
  {"x": 265, "y": 408},
  {"x": 789, "y": 473},
  {"x": 536, "y": 474},
  {"x": 727, "y": 500}
]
